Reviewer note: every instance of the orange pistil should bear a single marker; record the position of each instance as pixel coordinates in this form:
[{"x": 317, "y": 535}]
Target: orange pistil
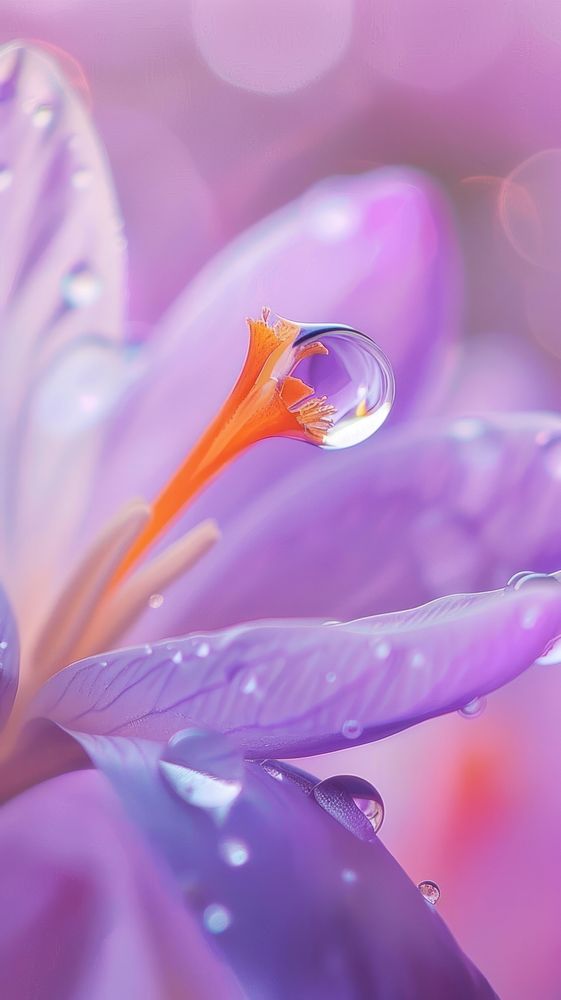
[{"x": 266, "y": 401}]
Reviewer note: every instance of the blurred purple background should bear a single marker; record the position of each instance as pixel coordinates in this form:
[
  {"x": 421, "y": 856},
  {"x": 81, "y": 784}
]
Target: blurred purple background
[{"x": 215, "y": 112}]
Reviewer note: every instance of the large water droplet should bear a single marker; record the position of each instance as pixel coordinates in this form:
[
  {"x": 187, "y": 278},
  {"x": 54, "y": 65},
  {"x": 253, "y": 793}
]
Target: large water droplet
[
  {"x": 80, "y": 287},
  {"x": 204, "y": 769},
  {"x": 354, "y": 802},
  {"x": 430, "y": 891},
  {"x": 356, "y": 376}
]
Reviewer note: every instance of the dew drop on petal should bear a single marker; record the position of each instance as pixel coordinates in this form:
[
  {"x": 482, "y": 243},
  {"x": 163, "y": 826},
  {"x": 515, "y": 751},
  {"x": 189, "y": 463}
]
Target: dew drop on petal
[
  {"x": 234, "y": 852},
  {"x": 551, "y": 657},
  {"x": 42, "y": 115},
  {"x": 80, "y": 287},
  {"x": 216, "y": 918},
  {"x": 6, "y": 177},
  {"x": 203, "y": 769},
  {"x": 430, "y": 891},
  {"x": 351, "y": 729},
  {"x": 156, "y": 600},
  {"x": 526, "y": 579},
  {"x": 357, "y": 378},
  {"x": 473, "y": 709},
  {"x": 178, "y": 657},
  {"x": 343, "y": 794}
]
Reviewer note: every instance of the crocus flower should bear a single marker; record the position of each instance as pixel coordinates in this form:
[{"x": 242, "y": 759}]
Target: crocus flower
[{"x": 235, "y": 873}]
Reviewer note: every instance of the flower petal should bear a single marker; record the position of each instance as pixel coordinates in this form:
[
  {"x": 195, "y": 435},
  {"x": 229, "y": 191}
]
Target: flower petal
[
  {"x": 431, "y": 510},
  {"x": 375, "y": 252},
  {"x": 9, "y": 658},
  {"x": 86, "y": 910},
  {"x": 293, "y": 688},
  {"x": 296, "y": 904},
  {"x": 61, "y": 366}
]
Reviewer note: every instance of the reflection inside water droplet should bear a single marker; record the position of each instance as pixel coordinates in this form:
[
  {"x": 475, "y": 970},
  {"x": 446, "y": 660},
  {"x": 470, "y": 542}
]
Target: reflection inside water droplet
[
  {"x": 430, "y": 891},
  {"x": 355, "y": 376},
  {"x": 343, "y": 794},
  {"x": 204, "y": 769}
]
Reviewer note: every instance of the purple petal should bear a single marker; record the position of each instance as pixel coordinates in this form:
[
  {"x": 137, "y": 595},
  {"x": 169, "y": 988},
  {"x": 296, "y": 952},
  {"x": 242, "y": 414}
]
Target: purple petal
[
  {"x": 295, "y": 903},
  {"x": 293, "y": 688},
  {"x": 61, "y": 366},
  {"x": 9, "y": 658},
  {"x": 430, "y": 510},
  {"x": 86, "y": 910},
  {"x": 375, "y": 252}
]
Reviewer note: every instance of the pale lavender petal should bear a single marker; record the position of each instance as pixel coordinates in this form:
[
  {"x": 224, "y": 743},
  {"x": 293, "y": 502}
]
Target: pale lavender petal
[
  {"x": 87, "y": 911},
  {"x": 9, "y": 658},
  {"x": 431, "y": 509},
  {"x": 61, "y": 364},
  {"x": 296, "y": 904},
  {"x": 375, "y": 252},
  {"x": 291, "y": 688}
]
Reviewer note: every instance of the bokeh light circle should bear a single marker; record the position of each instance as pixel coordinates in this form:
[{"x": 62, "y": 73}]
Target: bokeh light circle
[
  {"x": 271, "y": 48},
  {"x": 530, "y": 209}
]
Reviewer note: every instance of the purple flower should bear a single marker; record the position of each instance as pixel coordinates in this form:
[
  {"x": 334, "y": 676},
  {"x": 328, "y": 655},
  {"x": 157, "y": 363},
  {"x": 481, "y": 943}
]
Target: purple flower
[{"x": 232, "y": 873}]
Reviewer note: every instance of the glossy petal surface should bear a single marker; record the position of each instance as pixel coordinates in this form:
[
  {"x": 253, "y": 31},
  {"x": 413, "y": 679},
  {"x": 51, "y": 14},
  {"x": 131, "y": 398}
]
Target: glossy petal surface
[
  {"x": 61, "y": 366},
  {"x": 311, "y": 911},
  {"x": 87, "y": 911},
  {"x": 294, "y": 688},
  {"x": 429, "y": 510}
]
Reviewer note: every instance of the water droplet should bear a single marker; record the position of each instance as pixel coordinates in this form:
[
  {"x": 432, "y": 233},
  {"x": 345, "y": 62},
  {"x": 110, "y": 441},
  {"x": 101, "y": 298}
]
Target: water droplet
[
  {"x": 234, "y": 852},
  {"x": 202, "y": 649},
  {"x": 430, "y": 891},
  {"x": 382, "y": 649},
  {"x": 331, "y": 677},
  {"x": 81, "y": 178},
  {"x": 3, "y": 644},
  {"x": 417, "y": 659},
  {"x": 526, "y": 579},
  {"x": 352, "y": 800},
  {"x": 552, "y": 654},
  {"x": 356, "y": 377},
  {"x": 348, "y": 875},
  {"x": 473, "y": 709},
  {"x": 204, "y": 769},
  {"x": 6, "y": 178},
  {"x": 80, "y": 288},
  {"x": 103, "y": 663},
  {"x": 216, "y": 918},
  {"x": 178, "y": 657},
  {"x": 351, "y": 729},
  {"x": 42, "y": 115},
  {"x": 156, "y": 600}
]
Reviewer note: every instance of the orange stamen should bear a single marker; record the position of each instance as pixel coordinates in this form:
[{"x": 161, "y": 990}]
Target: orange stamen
[{"x": 266, "y": 401}]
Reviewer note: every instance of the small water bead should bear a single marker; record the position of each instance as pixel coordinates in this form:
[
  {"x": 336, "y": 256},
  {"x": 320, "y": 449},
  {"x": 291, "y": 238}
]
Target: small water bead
[
  {"x": 177, "y": 657},
  {"x": 6, "y": 178},
  {"x": 234, "y": 852},
  {"x": 203, "y": 768},
  {"x": 351, "y": 729},
  {"x": 216, "y": 918},
  {"x": 473, "y": 709},
  {"x": 430, "y": 891},
  {"x": 42, "y": 115},
  {"x": 357, "y": 378},
  {"x": 382, "y": 649},
  {"x": 80, "y": 287},
  {"x": 156, "y": 600},
  {"x": 81, "y": 178},
  {"x": 202, "y": 649}
]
